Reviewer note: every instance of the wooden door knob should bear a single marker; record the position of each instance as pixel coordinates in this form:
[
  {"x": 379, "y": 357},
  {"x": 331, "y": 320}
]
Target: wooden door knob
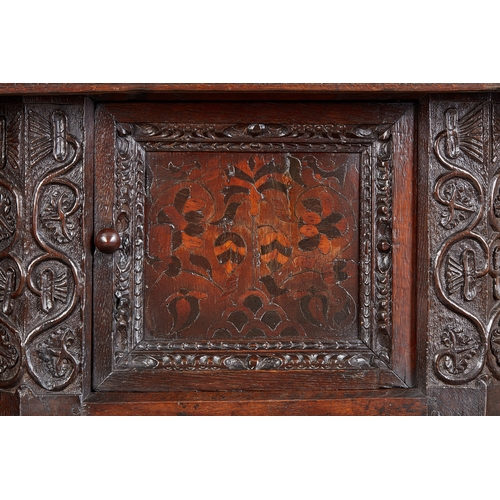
[{"x": 107, "y": 240}]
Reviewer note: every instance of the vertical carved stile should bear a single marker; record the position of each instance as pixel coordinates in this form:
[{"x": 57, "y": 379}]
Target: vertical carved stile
[
  {"x": 467, "y": 269},
  {"x": 11, "y": 270},
  {"x": 53, "y": 276}
]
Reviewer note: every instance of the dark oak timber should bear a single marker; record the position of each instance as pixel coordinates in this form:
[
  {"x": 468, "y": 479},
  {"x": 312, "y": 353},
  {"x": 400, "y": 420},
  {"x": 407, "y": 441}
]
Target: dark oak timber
[
  {"x": 151, "y": 88},
  {"x": 249, "y": 249},
  {"x": 386, "y": 402}
]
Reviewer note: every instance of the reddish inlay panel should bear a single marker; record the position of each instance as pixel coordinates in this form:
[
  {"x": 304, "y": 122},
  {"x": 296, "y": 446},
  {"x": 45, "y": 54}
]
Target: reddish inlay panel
[{"x": 244, "y": 245}]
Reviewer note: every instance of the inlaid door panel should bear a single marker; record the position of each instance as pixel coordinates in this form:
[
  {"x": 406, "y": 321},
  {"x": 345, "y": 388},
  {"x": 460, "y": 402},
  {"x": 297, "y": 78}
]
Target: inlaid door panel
[
  {"x": 266, "y": 257},
  {"x": 258, "y": 246}
]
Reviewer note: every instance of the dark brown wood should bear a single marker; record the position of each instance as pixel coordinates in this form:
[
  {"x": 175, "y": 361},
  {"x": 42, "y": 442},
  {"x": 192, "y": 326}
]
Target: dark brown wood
[
  {"x": 245, "y": 212},
  {"x": 90, "y": 88},
  {"x": 103, "y": 291},
  {"x": 9, "y": 404},
  {"x": 88, "y": 229},
  {"x": 457, "y": 401},
  {"x": 388, "y": 402},
  {"x": 493, "y": 398},
  {"x": 313, "y": 113},
  {"x": 107, "y": 240},
  {"x": 256, "y": 253},
  {"x": 42, "y": 239},
  {"x": 404, "y": 250},
  {"x": 463, "y": 223},
  {"x": 32, "y": 403},
  {"x": 423, "y": 259}
]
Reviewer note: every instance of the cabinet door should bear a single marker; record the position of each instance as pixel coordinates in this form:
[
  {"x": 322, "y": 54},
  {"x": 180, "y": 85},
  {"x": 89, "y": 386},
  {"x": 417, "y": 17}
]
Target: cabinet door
[{"x": 254, "y": 246}]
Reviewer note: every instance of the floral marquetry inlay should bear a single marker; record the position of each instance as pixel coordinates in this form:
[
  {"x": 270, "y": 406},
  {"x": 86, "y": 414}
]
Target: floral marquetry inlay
[{"x": 249, "y": 245}]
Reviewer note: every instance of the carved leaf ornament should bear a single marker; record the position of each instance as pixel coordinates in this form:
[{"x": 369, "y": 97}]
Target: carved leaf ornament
[
  {"x": 44, "y": 290},
  {"x": 467, "y": 263}
]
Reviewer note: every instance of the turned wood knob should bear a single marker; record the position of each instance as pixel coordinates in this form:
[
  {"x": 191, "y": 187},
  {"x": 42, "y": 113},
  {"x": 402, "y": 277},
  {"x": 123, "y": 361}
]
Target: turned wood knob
[{"x": 107, "y": 240}]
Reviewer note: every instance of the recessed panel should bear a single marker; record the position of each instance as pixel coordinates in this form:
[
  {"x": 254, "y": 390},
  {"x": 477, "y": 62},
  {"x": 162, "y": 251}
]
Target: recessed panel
[{"x": 251, "y": 245}]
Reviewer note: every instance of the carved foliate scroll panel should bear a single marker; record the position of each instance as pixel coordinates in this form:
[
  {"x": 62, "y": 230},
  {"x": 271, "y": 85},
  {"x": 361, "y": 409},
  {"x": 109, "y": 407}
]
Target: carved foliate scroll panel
[
  {"x": 261, "y": 246},
  {"x": 41, "y": 246},
  {"x": 464, "y": 225}
]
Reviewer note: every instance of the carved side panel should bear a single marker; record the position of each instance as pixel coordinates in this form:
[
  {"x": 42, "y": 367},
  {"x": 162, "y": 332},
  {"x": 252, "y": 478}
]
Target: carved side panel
[
  {"x": 12, "y": 271},
  {"x": 464, "y": 228},
  {"x": 54, "y": 271},
  {"x": 41, "y": 246}
]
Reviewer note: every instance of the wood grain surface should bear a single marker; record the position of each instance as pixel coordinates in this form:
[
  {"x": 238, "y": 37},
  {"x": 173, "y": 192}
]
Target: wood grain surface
[
  {"x": 91, "y": 88},
  {"x": 286, "y": 249}
]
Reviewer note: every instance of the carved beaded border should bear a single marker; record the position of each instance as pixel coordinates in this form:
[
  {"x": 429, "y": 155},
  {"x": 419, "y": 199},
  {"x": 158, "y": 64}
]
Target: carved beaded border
[{"x": 373, "y": 142}]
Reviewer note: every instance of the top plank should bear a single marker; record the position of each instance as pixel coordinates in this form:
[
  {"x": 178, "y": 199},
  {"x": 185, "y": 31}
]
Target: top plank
[{"x": 100, "y": 88}]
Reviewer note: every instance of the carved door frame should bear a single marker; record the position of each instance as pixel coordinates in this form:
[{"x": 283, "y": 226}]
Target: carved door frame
[{"x": 383, "y": 357}]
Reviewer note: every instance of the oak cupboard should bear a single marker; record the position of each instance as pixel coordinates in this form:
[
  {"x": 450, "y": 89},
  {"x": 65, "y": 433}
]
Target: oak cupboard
[{"x": 249, "y": 249}]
